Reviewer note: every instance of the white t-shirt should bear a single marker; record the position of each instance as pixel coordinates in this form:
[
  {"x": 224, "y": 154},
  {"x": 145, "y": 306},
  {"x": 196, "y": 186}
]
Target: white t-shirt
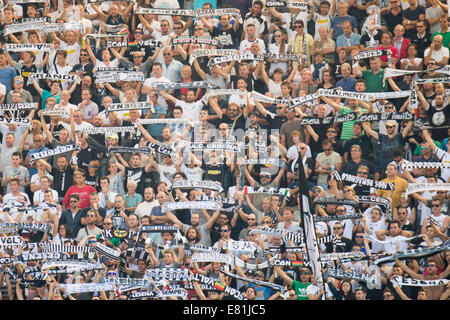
[
  {"x": 73, "y": 52},
  {"x": 437, "y": 54},
  {"x": 100, "y": 64},
  {"x": 190, "y": 110},
  {"x": 245, "y": 45},
  {"x": 38, "y": 196},
  {"x": 192, "y": 174}
]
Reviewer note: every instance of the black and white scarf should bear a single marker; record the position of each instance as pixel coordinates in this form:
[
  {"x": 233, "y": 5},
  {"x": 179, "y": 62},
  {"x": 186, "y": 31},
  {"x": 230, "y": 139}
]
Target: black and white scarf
[
  {"x": 170, "y": 274},
  {"x": 342, "y": 202},
  {"x": 338, "y": 217},
  {"x": 211, "y": 52},
  {"x": 56, "y": 76},
  {"x": 112, "y": 76},
  {"x": 435, "y": 165},
  {"x": 398, "y": 280},
  {"x": 106, "y": 251},
  {"x": 52, "y": 152},
  {"x": 168, "y": 12},
  {"x": 273, "y": 286},
  {"x": 218, "y": 286},
  {"x": 196, "y": 184},
  {"x": 207, "y": 205},
  {"x": 371, "y": 53},
  {"x": 182, "y": 85},
  {"x": 14, "y": 120},
  {"x": 219, "y": 12},
  {"x": 128, "y": 106},
  {"x": 203, "y": 40},
  {"x": 18, "y": 106},
  {"x": 351, "y": 275},
  {"x": 107, "y": 130},
  {"x": 49, "y": 247},
  {"x": 363, "y": 181},
  {"x": 419, "y": 187},
  {"x": 344, "y": 94},
  {"x": 86, "y": 287}
]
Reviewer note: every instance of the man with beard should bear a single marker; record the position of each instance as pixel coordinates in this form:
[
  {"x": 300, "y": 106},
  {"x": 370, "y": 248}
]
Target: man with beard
[
  {"x": 438, "y": 115},
  {"x": 62, "y": 174},
  {"x": 433, "y": 292},
  {"x": 252, "y": 223},
  {"x": 134, "y": 171},
  {"x": 191, "y": 108},
  {"x": 147, "y": 205},
  {"x": 90, "y": 228},
  {"x": 226, "y": 34},
  {"x": 195, "y": 222}
]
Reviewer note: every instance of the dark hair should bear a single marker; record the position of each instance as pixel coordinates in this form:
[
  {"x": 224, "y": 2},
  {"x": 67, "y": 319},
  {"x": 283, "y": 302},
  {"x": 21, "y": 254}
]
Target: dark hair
[
  {"x": 69, "y": 233},
  {"x": 17, "y": 154},
  {"x": 75, "y": 196},
  {"x": 104, "y": 178},
  {"x": 259, "y": 3}
]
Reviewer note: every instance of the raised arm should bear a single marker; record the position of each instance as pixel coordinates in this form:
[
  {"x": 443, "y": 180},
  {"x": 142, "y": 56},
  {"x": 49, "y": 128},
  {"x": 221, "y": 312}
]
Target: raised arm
[{"x": 283, "y": 275}]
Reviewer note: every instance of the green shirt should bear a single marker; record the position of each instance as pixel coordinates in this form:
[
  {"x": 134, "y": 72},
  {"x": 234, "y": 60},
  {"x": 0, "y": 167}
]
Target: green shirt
[
  {"x": 446, "y": 38},
  {"x": 374, "y": 82},
  {"x": 347, "y": 126},
  {"x": 300, "y": 289}
]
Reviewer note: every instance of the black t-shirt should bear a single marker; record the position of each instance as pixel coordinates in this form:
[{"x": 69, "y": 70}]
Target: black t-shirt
[
  {"x": 421, "y": 44},
  {"x": 363, "y": 141},
  {"x": 321, "y": 131},
  {"x": 214, "y": 172},
  {"x": 85, "y": 156},
  {"x": 238, "y": 123},
  {"x": 62, "y": 180},
  {"x": 227, "y": 38},
  {"x": 275, "y": 122},
  {"x": 412, "y": 15},
  {"x": 439, "y": 118},
  {"x": 92, "y": 181},
  {"x": 85, "y": 69},
  {"x": 136, "y": 174},
  {"x": 365, "y": 40},
  {"x": 351, "y": 167},
  {"x": 393, "y": 20}
]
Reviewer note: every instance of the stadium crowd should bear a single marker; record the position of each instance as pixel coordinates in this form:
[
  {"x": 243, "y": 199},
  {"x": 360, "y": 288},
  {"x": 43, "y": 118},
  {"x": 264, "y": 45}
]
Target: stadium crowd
[{"x": 222, "y": 108}]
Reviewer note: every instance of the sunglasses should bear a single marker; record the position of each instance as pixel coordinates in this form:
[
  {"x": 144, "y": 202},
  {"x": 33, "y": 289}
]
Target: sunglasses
[
  {"x": 387, "y": 296},
  {"x": 359, "y": 237},
  {"x": 197, "y": 29},
  {"x": 347, "y": 190},
  {"x": 177, "y": 28},
  {"x": 107, "y": 223},
  {"x": 327, "y": 149},
  {"x": 73, "y": 201},
  {"x": 362, "y": 172},
  {"x": 431, "y": 265},
  {"x": 389, "y": 127},
  {"x": 166, "y": 54},
  {"x": 277, "y": 36},
  {"x": 83, "y": 55},
  {"x": 265, "y": 222},
  {"x": 331, "y": 131},
  {"x": 435, "y": 205},
  {"x": 298, "y": 27},
  {"x": 337, "y": 228},
  {"x": 224, "y": 230},
  {"x": 340, "y": 210}
]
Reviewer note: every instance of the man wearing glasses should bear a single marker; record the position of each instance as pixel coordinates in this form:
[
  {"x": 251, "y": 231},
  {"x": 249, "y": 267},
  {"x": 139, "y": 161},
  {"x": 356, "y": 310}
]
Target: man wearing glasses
[
  {"x": 73, "y": 215},
  {"x": 296, "y": 43},
  {"x": 445, "y": 33},
  {"x": 440, "y": 219},
  {"x": 388, "y": 142},
  {"x": 345, "y": 244},
  {"x": 421, "y": 39},
  {"x": 90, "y": 228}
]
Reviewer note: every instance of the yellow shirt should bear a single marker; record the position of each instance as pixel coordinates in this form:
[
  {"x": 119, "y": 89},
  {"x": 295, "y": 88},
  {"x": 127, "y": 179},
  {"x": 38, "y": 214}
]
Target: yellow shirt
[
  {"x": 400, "y": 186},
  {"x": 298, "y": 46}
]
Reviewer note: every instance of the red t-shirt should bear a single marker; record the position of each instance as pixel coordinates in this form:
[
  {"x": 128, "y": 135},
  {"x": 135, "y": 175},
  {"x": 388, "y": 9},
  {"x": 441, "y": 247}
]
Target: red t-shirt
[{"x": 83, "y": 193}]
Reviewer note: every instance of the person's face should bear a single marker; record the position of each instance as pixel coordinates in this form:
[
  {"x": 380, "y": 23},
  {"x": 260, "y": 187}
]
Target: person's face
[
  {"x": 225, "y": 232},
  {"x": 345, "y": 287},
  {"x": 394, "y": 229},
  {"x": 421, "y": 295},
  {"x": 118, "y": 202},
  {"x": 233, "y": 110},
  {"x": 436, "y": 207},
  {"x": 107, "y": 224},
  {"x": 338, "y": 229},
  {"x": 224, "y": 21},
  {"x": 342, "y": 9},
  {"x": 133, "y": 221},
  {"x": 437, "y": 42},
  {"x": 360, "y": 295},
  {"x": 157, "y": 71},
  {"x": 443, "y": 23},
  {"x": 168, "y": 258},
  {"x": 167, "y": 56},
  {"x": 73, "y": 203},
  {"x": 347, "y": 28},
  {"x": 148, "y": 194},
  {"x": 355, "y": 153},
  {"x": 161, "y": 197},
  {"x": 135, "y": 161}
]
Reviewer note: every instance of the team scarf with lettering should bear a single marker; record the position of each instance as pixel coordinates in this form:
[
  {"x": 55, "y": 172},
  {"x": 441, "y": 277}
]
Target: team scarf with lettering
[
  {"x": 219, "y": 12},
  {"x": 201, "y": 248},
  {"x": 344, "y": 94},
  {"x": 392, "y": 240},
  {"x": 419, "y": 187},
  {"x": 17, "y": 106},
  {"x": 218, "y": 146},
  {"x": 273, "y": 286},
  {"x": 166, "y": 121},
  {"x": 363, "y": 181},
  {"x": 200, "y": 40},
  {"x": 410, "y": 282},
  {"x": 211, "y": 52},
  {"x": 5, "y": 120},
  {"x": 265, "y": 99},
  {"x": 379, "y": 201},
  {"x": 25, "y": 257},
  {"x": 218, "y": 286},
  {"x": 342, "y": 202},
  {"x": 11, "y": 241},
  {"x": 211, "y": 257},
  {"x": 106, "y": 251},
  {"x": 413, "y": 165},
  {"x": 220, "y": 92},
  {"x": 371, "y": 53},
  {"x": 284, "y": 249},
  {"x": 117, "y": 44},
  {"x": 128, "y": 106},
  {"x": 56, "y": 76},
  {"x": 39, "y": 227},
  {"x": 341, "y": 256},
  {"x": 23, "y": 47},
  {"x": 286, "y": 263},
  {"x": 182, "y": 85},
  {"x": 7, "y": 228},
  {"x": 22, "y": 27},
  {"x": 283, "y": 56},
  {"x": 414, "y": 253},
  {"x": 262, "y": 161},
  {"x": 70, "y": 266},
  {"x": 338, "y": 217},
  {"x": 50, "y": 247},
  {"x": 114, "y": 76},
  {"x": 117, "y": 281},
  {"x": 299, "y": 101},
  {"x": 247, "y": 246},
  {"x": 158, "y": 228},
  {"x": 207, "y": 205},
  {"x": 196, "y": 184},
  {"x": 6, "y": 260},
  {"x": 166, "y": 12},
  {"x": 27, "y": 1},
  {"x": 86, "y": 287},
  {"x": 220, "y": 199},
  {"x": 352, "y": 275},
  {"x": 106, "y": 130},
  {"x": 170, "y": 274},
  {"x": 52, "y": 152},
  {"x": 159, "y": 149},
  {"x": 286, "y": 235},
  {"x": 55, "y": 112},
  {"x": 159, "y": 294},
  {"x": 237, "y": 57},
  {"x": 266, "y": 190}
]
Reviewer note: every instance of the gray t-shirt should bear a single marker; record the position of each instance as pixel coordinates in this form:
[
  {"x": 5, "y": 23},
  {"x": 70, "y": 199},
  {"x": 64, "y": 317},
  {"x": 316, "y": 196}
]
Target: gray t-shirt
[
  {"x": 20, "y": 173},
  {"x": 206, "y": 236}
]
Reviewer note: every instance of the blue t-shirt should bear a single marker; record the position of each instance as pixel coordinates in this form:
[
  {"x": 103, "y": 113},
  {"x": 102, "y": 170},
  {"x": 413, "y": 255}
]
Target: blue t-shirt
[
  {"x": 46, "y": 94},
  {"x": 32, "y": 151},
  {"x": 6, "y": 77},
  {"x": 336, "y": 25},
  {"x": 155, "y": 129},
  {"x": 262, "y": 293},
  {"x": 346, "y": 85}
]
